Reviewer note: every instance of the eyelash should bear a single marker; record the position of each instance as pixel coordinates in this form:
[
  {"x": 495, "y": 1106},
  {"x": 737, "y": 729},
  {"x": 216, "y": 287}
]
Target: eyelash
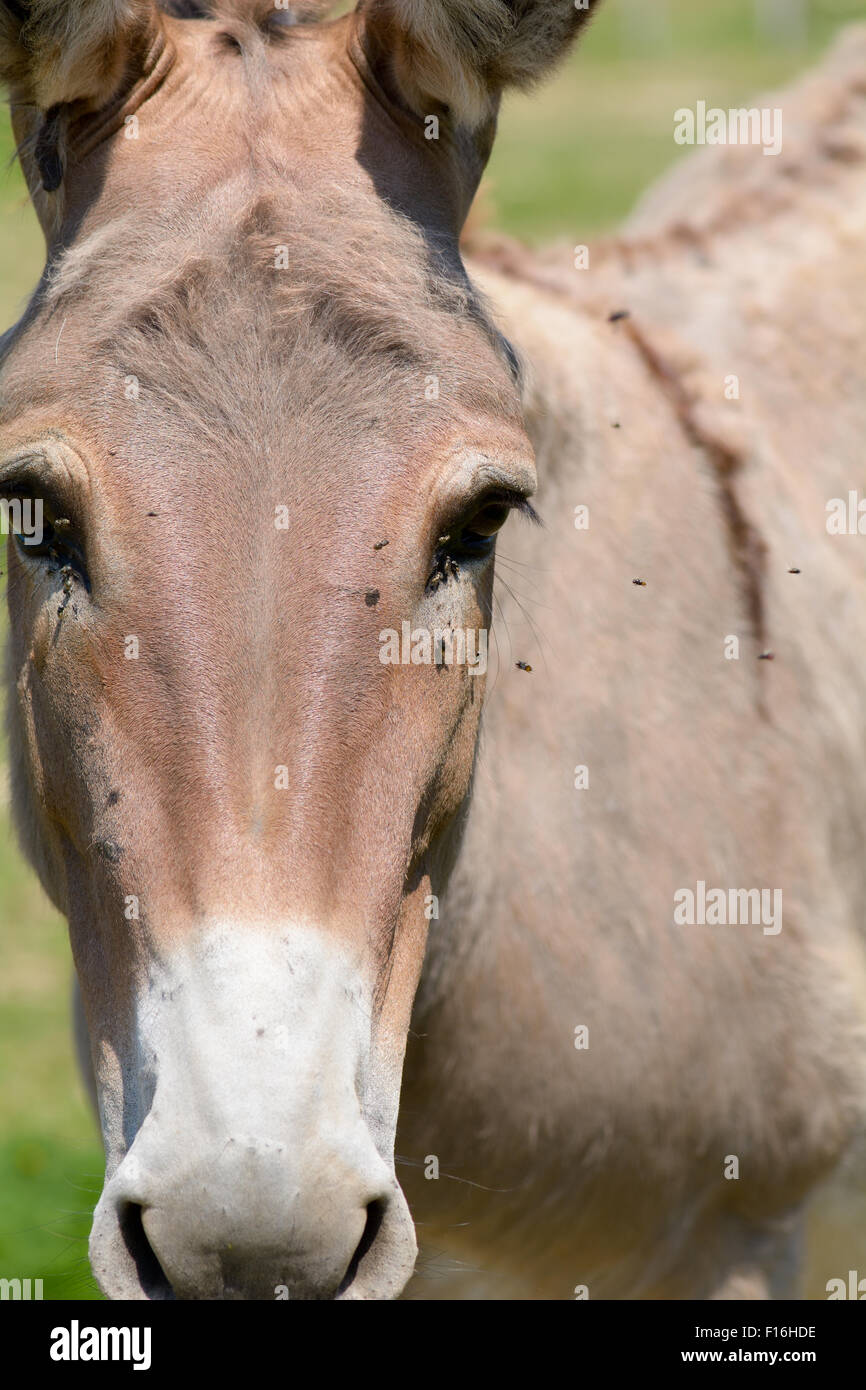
[
  {"x": 61, "y": 552},
  {"x": 447, "y": 553}
]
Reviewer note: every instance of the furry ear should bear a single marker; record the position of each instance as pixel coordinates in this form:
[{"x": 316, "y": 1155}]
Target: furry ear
[
  {"x": 57, "y": 51},
  {"x": 463, "y": 53}
]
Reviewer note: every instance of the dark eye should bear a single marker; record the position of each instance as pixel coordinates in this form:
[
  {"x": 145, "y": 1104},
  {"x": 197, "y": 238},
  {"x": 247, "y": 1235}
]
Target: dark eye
[
  {"x": 473, "y": 537},
  {"x": 42, "y": 531},
  {"x": 476, "y": 533},
  {"x": 479, "y": 531}
]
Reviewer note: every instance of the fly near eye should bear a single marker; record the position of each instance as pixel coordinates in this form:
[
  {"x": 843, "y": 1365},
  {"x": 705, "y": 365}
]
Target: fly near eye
[
  {"x": 473, "y": 538},
  {"x": 50, "y": 538}
]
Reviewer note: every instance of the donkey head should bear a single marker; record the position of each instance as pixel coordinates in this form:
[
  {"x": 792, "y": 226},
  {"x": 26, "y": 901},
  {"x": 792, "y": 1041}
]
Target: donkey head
[{"x": 269, "y": 422}]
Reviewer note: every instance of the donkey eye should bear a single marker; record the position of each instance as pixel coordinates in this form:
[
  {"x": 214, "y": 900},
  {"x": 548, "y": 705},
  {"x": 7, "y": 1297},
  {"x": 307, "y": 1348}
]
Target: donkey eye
[
  {"x": 484, "y": 525},
  {"x": 36, "y": 544},
  {"x": 48, "y": 535},
  {"x": 478, "y": 531},
  {"x": 474, "y": 536}
]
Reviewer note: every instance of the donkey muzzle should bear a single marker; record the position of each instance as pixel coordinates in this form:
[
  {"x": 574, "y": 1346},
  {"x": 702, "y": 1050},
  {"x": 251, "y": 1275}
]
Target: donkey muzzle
[{"x": 253, "y": 1172}]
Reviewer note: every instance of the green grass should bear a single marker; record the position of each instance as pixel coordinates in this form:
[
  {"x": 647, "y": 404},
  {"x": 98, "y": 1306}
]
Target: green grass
[
  {"x": 572, "y": 158},
  {"x": 50, "y": 1156},
  {"x": 569, "y": 161}
]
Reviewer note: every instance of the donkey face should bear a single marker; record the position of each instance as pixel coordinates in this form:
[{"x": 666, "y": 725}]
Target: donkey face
[{"x": 253, "y": 359}]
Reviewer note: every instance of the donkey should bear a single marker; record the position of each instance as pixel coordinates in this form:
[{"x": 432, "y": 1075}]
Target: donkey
[{"x": 271, "y": 419}]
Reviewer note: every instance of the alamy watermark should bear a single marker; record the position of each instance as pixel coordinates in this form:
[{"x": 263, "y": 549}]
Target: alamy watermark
[
  {"x": 23, "y": 1290},
  {"x": 719, "y": 907},
  {"x": 846, "y": 516},
  {"x": 854, "y": 1287},
  {"x": 77, "y": 1343},
  {"x": 738, "y": 126},
  {"x": 439, "y": 646},
  {"x": 22, "y": 516}
]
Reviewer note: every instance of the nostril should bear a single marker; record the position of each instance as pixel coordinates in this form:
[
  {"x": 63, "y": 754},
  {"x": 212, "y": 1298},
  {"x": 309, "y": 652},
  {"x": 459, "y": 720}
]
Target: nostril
[
  {"x": 153, "y": 1282},
  {"x": 375, "y": 1217}
]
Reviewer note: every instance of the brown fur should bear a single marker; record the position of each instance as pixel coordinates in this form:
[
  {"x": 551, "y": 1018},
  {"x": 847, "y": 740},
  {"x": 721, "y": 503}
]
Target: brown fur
[
  {"x": 70, "y": 52},
  {"x": 308, "y": 386},
  {"x": 464, "y": 53}
]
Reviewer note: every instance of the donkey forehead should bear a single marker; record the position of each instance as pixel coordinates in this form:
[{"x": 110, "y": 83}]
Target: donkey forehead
[
  {"x": 230, "y": 374},
  {"x": 217, "y": 101},
  {"x": 235, "y": 273},
  {"x": 279, "y": 340},
  {"x": 304, "y": 98}
]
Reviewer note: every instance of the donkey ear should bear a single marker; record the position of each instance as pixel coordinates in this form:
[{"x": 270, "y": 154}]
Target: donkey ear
[
  {"x": 57, "y": 51},
  {"x": 463, "y": 53}
]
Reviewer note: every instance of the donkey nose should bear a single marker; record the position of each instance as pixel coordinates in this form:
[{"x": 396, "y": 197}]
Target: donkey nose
[
  {"x": 254, "y": 1172},
  {"x": 287, "y": 1239},
  {"x": 248, "y": 1227}
]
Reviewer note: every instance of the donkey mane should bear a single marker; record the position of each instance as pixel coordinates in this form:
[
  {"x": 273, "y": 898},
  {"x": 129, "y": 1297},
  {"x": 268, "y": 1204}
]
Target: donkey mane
[
  {"x": 701, "y": 203},
  {"x": 695, "y": 215}
]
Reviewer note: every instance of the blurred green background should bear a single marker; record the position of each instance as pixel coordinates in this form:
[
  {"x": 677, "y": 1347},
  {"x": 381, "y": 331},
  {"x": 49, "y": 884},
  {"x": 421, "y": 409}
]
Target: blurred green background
[{"x": 570, "y": 160}]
